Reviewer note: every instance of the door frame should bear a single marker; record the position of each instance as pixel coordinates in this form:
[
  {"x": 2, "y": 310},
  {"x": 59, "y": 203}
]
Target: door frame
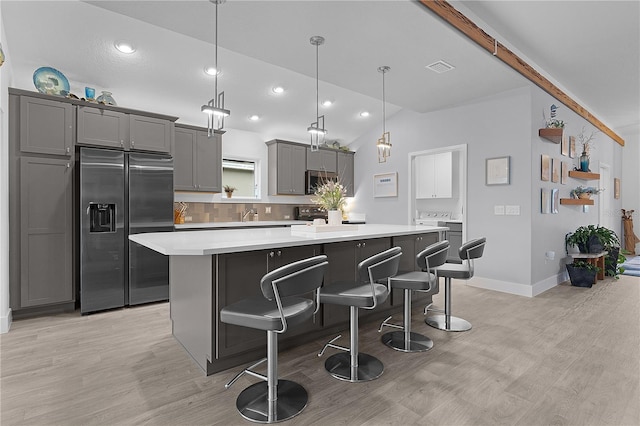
[{"x": 462, "y": 151}]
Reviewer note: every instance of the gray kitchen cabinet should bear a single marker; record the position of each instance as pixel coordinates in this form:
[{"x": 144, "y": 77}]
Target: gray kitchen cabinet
[
  {"x": 238, "y": 277},
  {"x": 343, "y": 260},
  {"x": 323, "y": 160},
  {"x": 46, "y": 126},
  {"x": 197, "y": 160},
  {"x": 150, "y": 133},
  {"x": 102, "y": 127},
  {"x": 346, "y": 171},
  {"x": 411, "y": 245},
  {"x": 114, "y": 129},
  {"x": 286, "y": 168},
  {"x": 46, "y": 229}
]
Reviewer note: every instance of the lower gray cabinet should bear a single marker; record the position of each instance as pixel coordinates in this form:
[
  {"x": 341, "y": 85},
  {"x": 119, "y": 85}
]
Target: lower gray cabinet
[
  {"x": 238, "y": 277},
  {"x": 197, "y": 160},
  {"x": 46, "y": 231}
]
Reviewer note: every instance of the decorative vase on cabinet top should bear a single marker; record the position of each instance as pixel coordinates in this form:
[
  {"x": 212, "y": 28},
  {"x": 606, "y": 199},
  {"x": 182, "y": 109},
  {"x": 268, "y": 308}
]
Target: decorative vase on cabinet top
[{"x": 106, "y": 98}]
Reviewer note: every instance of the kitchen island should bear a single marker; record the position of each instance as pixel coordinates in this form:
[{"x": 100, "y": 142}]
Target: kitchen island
[{"x": 212, "y": 269}]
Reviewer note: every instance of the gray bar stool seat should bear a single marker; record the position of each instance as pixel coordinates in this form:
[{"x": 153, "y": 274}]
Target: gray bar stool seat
[
  {"x": 468, "y": 252},
  {"x": 366, "y": 293},
  {"x": 274, "y": 400},
  {"x": 423, "y": 281}
]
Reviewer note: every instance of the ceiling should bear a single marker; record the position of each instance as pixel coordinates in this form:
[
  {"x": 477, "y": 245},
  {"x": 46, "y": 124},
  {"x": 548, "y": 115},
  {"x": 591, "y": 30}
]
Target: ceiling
[{"x": 589, "y": 48}]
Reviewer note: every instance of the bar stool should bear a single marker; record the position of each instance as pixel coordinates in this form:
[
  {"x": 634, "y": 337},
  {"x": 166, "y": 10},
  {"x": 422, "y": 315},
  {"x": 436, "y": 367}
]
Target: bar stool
[
  {"x": 275, "y": 400},
  {"x": 423, "y": 281},
  {"x": 366, "y": 293},
  {"x": 468, "y": 252}
]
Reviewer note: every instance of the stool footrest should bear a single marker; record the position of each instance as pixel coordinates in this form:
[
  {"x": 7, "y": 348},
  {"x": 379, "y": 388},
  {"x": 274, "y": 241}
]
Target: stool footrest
[
  {"x": 386, "y": 323},
  {"x": 429, "y": 308},
  {"x": 330, "y": 344},
  {"x": 248, "y": 371}
]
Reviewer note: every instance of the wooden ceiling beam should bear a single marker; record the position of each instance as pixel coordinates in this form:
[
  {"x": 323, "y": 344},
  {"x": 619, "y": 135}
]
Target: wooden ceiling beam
[{"x": 463, "y": 24}]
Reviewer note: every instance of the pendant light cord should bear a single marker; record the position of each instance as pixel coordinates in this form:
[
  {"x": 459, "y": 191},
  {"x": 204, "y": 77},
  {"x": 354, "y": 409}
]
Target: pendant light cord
[
  {"x": 215, "y": 93},
  {"x": 317, "y": 84},
  {"x": 384, "y": 111}
]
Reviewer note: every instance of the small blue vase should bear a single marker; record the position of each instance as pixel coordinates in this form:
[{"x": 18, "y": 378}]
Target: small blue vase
[{"x": 584, "y": 162}]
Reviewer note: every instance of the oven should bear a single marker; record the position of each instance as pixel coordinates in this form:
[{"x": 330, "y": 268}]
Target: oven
[{"x": 315, "y": 178}]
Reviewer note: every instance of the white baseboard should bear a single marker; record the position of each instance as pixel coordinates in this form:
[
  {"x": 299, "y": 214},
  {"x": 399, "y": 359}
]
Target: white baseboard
[
  {"x": 5, "y": 322},
  {"x": 516, "y": 288}
]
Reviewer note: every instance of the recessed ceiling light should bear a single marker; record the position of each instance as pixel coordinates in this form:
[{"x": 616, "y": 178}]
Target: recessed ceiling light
[
  {"x": 125, "y": 47},
  {"x": 278, "y": 89},
  {"x": 254, "y": 117},
  {"x": 327, "y": 103},
  {"x": 212, "y": 71},
  {"x": 364, "y": 114}
]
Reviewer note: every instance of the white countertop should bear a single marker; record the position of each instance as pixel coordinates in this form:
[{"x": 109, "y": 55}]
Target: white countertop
[
  {"x": 197, "y": 243},
  {"x": 247, "y": 224}
]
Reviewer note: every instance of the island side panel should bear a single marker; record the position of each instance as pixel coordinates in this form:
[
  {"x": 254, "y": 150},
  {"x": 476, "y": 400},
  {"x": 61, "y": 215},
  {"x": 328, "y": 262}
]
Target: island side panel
[{"x": 190, "y": 295}]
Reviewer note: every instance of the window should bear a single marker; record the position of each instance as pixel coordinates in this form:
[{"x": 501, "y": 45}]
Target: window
[{"x": 243, "y": 176}]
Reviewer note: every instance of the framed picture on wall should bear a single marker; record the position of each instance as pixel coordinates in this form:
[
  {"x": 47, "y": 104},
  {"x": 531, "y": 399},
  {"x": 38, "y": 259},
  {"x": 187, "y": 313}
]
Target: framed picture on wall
[
  {"x": 564, "y": 148},
  {"x": 545, "y": 170},
  {"x": 498, "y": 171},
  {"x": 572, "y": 147},
  {"x": 555, "y": 170},
  {"x": 545, "y": 201},
  {"x": 564, "y": 172},
  {"x": 555, "y": 200},
  {"x": 385, "y": 185},
  {"x": 616, "y": 188}
]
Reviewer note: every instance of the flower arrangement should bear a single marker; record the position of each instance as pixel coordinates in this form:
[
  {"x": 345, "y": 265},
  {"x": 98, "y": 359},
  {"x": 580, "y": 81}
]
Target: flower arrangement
[
  {"x": 556, "y": 124},
  {"x": 330, "y": 195},
  {"x": 585, "y": 192},
  {"x": 229, "y": 190}
]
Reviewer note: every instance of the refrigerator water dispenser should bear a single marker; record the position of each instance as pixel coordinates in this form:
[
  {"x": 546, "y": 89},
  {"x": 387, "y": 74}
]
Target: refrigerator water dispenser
[{"x": 102, "y": 217}]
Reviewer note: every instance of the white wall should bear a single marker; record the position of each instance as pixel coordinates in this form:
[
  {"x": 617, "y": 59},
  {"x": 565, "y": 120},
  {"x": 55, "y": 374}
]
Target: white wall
[
  {"x": 630, "y": 181},
  {"x": 493, "y": 127},
  {"x": 5, "y": 79}
]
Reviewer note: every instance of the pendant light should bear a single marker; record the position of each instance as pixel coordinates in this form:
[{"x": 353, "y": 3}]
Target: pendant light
[
  {"x": 317, "y": 129},
  {"x": 384, "y": 143},
  {"x": 215, "y": 107}
]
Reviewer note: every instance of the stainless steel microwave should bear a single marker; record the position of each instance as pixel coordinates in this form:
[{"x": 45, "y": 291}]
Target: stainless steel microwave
[{"x": 315, "y": 178}]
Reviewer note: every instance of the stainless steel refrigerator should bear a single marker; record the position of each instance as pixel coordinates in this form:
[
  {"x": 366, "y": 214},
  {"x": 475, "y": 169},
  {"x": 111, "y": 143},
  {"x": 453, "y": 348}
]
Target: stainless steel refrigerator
[{"x": 120, "y": 194}]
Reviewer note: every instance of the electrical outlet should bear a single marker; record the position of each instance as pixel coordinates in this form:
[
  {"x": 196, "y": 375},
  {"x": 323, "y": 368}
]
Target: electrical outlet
[
  {"x": 498, "y": 210},
  {"x": 188, "y": 218},
  {"x": 286, "y": 217},
  {"x": 512, "y": 210},
  {"x": 267, "y": 210}
]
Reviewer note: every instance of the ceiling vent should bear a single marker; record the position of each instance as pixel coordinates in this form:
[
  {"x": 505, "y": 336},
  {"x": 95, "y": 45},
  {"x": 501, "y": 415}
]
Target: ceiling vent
[{"x": 440, "y": 67}]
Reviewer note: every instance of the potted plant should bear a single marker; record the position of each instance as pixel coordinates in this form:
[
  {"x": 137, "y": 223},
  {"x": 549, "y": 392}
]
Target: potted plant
[
  {"x": 585, "y": 192},
  {"x": 330, "y": 196},
  {"x": 582, "y": 273},
  {"x": 555, "y": 124},
  {"x": 610, "y": 243},
  {"x": 585, "y": 238},
  {"x": 229, "y": 190}
]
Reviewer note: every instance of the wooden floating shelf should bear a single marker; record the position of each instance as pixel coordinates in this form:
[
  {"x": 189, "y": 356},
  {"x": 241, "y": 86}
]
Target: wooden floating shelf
[
  {"x": 584, "y": 175},
  {"x": 552, "y": 134},
  {"x": 576, "y": 202}
]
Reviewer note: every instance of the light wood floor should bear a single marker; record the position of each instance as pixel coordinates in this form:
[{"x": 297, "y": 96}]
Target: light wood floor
[{"x": 568, "y": 356}]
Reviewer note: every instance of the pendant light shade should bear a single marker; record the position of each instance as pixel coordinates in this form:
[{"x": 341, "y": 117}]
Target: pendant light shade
[
  {"x": 383, "y": 145},
  {"x": 317, "y": 129},
  {"x": 215, "y": 109}
]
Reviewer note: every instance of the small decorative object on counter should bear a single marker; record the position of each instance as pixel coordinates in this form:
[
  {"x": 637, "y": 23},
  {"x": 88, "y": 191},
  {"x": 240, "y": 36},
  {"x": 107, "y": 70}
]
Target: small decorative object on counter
[
  {"x": 179, "y": 213},
  {"x": 229, "y": 190},
  {"x": 106, "y": 98},
  {"x": 331, "y": 197}
]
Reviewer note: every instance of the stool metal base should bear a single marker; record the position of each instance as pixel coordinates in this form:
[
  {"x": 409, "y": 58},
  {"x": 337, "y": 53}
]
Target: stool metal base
[
  {"x": 339, "y": 366},
  {"x": 253, "y": 404},
  {"x": 454, "y": 323},
  {"x": 416, "y": 343}
]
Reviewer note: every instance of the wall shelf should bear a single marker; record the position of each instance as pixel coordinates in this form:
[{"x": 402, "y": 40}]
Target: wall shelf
[
  {"x": 584, "y": 175},
  {"x": 576, "y": 202},
  {"x": 552, "y": 134}
]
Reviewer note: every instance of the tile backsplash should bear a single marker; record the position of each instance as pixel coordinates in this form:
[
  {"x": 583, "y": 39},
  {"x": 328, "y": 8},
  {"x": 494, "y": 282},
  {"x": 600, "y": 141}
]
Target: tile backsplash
[{"x": 232, "y": 212}]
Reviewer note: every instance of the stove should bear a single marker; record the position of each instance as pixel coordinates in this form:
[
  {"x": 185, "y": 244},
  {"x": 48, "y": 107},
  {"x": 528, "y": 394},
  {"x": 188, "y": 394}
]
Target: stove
[
  {"x": 309, "y": 213},
  {"x": 432, "y": 218}
]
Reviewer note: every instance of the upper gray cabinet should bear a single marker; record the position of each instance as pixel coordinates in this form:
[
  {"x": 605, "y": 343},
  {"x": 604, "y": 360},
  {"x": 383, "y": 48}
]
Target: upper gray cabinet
[
  {"x": 197, "y": 160},
  {"x": 346, "y": 171},
  {"x": 287, "y": 166},
  {"x": 102, "y": 127},
  {"x": 114, "y": 129},
  {"x": 46, "y": 126},
  {"x": 323, "y": 160}
]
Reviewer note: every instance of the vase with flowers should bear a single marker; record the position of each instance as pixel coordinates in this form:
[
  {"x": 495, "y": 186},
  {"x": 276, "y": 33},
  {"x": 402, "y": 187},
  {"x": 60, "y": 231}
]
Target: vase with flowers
[
  {"x": 586, "y": 141},
  {"x": 330, "y": 196}
]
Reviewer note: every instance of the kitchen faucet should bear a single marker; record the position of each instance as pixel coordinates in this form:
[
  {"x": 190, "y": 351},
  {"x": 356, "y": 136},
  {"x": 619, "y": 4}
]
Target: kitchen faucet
[{"x": 246, "y": 213}]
